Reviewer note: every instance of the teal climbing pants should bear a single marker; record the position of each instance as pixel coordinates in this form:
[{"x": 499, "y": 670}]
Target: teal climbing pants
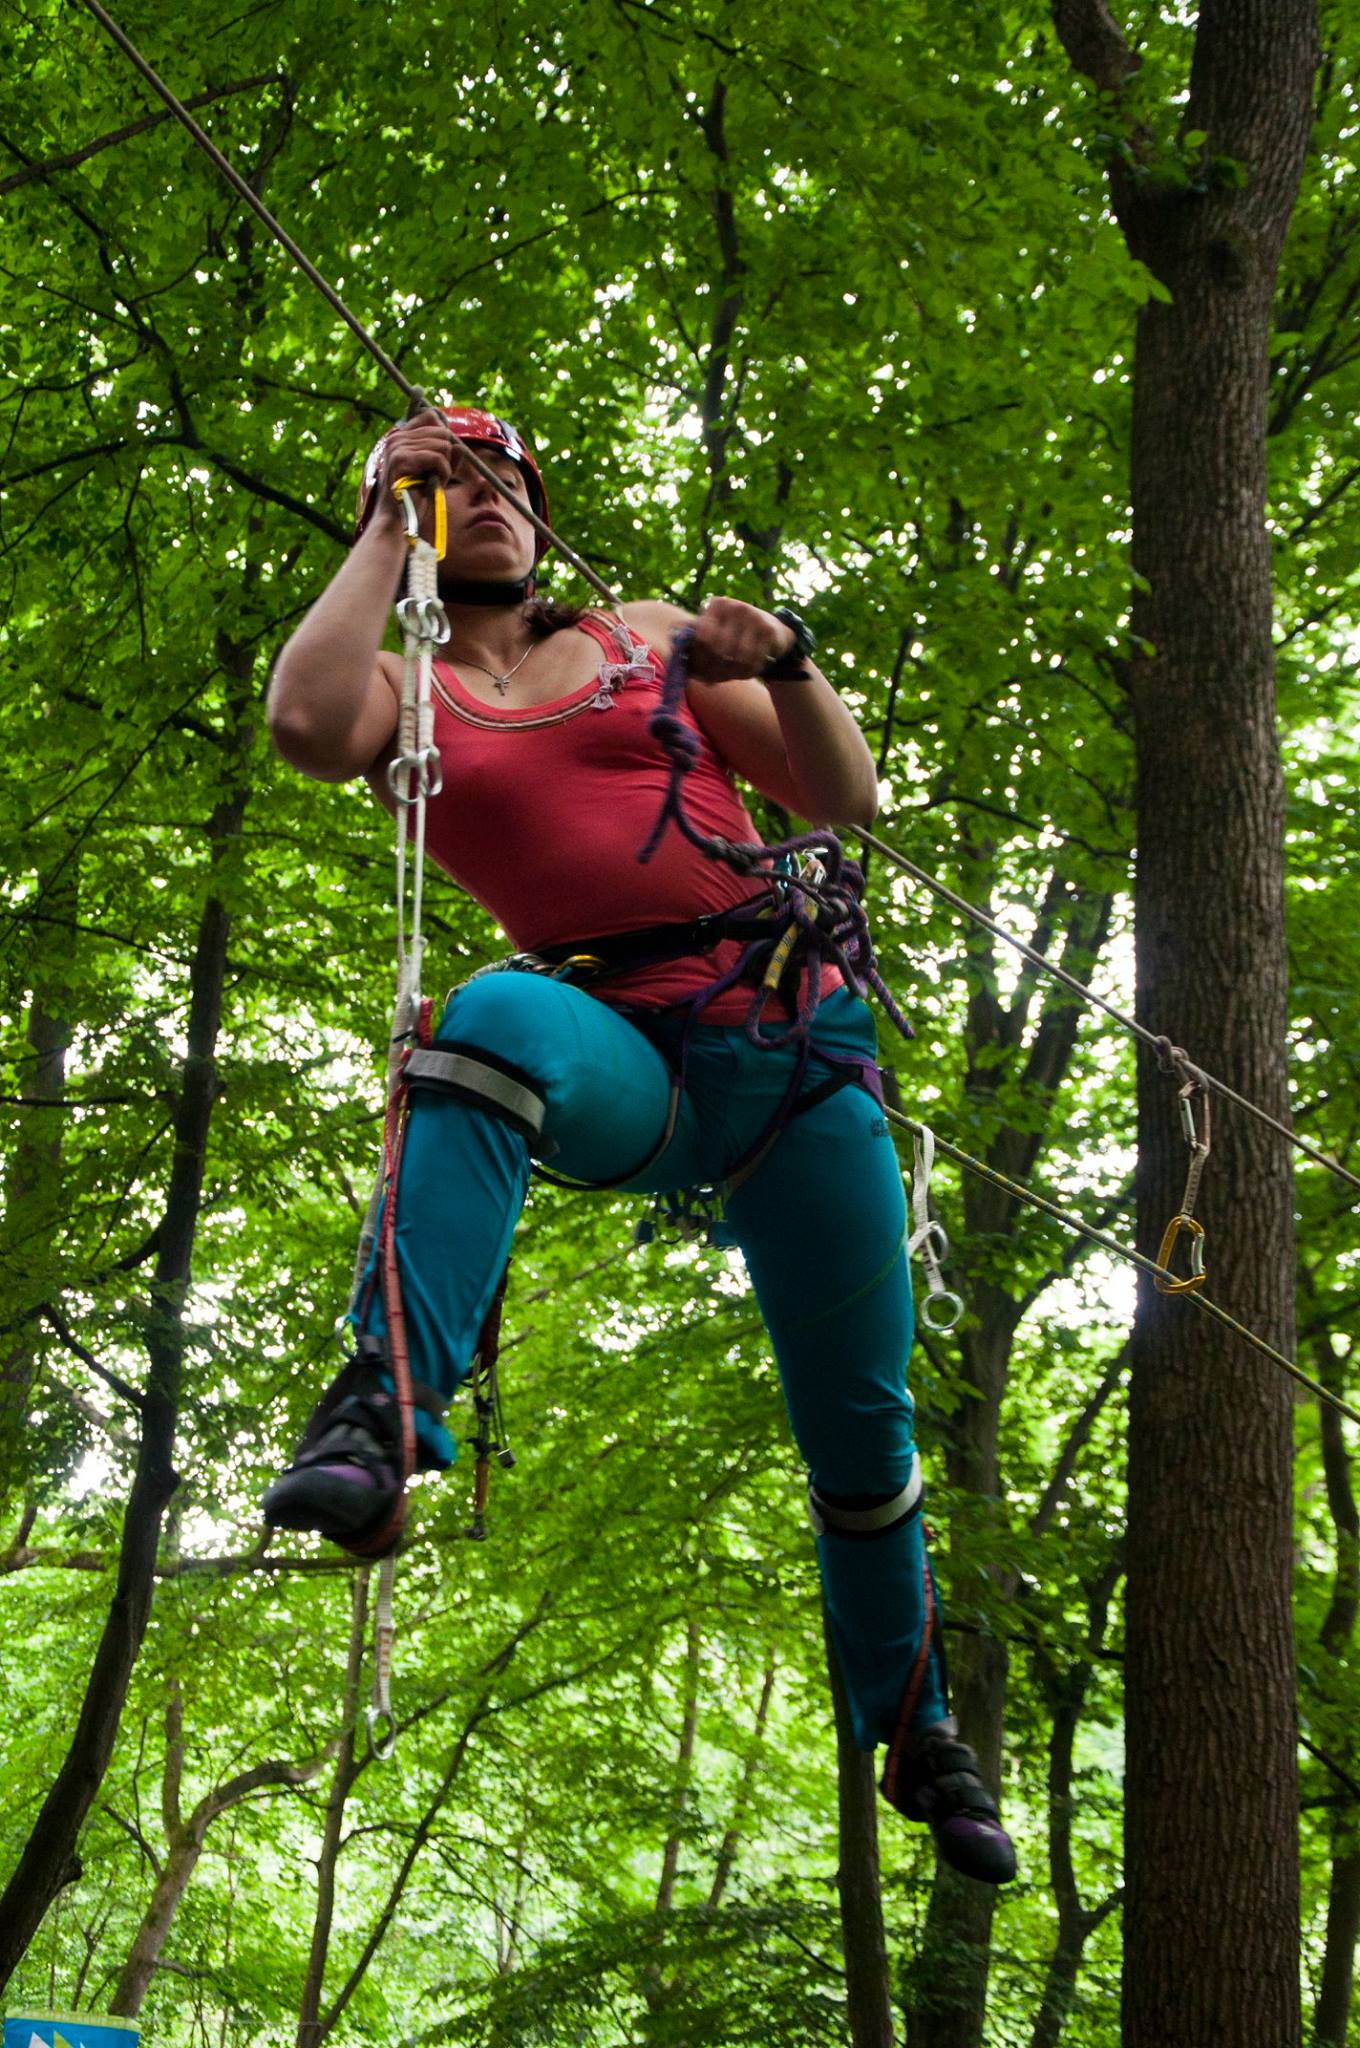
[{"x": 820, "y": 1223}]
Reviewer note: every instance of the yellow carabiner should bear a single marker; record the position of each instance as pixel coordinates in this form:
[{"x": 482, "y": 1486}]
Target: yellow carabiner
[
  {"x": 400, "y": 486},
  {"x": 1196, "y": 1276}
]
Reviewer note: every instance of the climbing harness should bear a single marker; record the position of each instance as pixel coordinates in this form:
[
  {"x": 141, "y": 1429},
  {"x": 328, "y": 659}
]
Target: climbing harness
[
  {"x": 1193, "y": 1087},
  {"x": 812, "y": 914},
  {"x": 858, "y": 954},
  {"x": 416, "y": 395}
]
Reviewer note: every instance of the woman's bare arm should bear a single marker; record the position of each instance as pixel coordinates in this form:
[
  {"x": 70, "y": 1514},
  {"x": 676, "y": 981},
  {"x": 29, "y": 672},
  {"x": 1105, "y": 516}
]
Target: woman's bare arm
[{"x": 796, "y": 742}]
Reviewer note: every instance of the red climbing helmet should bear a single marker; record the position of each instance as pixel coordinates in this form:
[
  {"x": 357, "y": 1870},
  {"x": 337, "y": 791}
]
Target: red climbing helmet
[{"x": 483, "y": 430}]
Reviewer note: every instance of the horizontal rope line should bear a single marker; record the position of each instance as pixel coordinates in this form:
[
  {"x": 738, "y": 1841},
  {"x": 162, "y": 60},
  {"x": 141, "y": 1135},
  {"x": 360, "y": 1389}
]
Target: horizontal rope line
[
  {"x": 1088, "y": 995},
  {"x": 1131, "y": 1257}
]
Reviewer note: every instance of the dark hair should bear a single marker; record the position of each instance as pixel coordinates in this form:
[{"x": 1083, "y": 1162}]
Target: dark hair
[{"x": 544, "y": 616}]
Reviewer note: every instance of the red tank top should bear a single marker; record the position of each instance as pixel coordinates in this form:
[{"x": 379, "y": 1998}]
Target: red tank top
[{"x": 544, "y": 807}]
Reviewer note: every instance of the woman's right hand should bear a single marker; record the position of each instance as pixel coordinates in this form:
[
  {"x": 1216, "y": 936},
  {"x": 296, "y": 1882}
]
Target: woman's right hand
[{"x": 426, "y": 447}]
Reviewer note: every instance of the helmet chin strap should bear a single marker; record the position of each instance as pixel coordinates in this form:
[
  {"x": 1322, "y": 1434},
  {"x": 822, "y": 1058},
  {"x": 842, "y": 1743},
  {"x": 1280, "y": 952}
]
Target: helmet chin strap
[{"x": 456, "y": 590}]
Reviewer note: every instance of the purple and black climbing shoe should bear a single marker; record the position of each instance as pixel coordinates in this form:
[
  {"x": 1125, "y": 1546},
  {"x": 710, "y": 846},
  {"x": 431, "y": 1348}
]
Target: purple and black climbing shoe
[
  {"x": 939, "y": 1781},
  {"x": 345, "y": 1477}
]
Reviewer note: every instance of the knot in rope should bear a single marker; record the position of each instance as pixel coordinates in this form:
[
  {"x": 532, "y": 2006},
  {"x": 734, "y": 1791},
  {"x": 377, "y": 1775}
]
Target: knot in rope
[
  {"x": 1175, "y": 1061},
  {"x": 681, "y": 741}
]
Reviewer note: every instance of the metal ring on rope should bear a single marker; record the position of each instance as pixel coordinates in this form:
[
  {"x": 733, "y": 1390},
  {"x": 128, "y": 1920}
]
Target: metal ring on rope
[
  {"x": 426, "y": 769},
  {"x": 382, "y": 1733}
]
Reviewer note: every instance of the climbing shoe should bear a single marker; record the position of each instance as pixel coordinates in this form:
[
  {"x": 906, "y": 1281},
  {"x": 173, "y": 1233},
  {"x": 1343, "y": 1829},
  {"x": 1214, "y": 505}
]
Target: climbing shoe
[
  {"x": 938, "y": 1781},
  {"x": 345, "y": 1478}
]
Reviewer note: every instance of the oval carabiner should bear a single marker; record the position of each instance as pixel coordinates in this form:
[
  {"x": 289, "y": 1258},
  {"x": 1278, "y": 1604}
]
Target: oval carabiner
[
  {"x": 1196, "y": 1277},
  {"x": 402, "y": 486},
  {"x": 941, "y": 1312},
  {"x": 382, "y": 1733}
]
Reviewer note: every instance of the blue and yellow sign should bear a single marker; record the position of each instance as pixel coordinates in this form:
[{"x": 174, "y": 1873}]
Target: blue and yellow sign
[{"x": 68, "y": 2030}]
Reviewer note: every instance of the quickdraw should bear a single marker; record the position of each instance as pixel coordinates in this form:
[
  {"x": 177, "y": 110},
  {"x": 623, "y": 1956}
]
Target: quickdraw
[
  {"x": 941, "y": 1310},
  {"x": 1193, "y": 1089}
]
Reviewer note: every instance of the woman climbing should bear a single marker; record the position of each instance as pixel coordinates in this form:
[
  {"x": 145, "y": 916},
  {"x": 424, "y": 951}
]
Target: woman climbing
[{"x": 551, "y": 780}]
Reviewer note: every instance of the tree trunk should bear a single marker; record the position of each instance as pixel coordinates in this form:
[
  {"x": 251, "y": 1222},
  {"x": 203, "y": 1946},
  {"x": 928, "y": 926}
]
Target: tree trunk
[
  {"x": 49, "y": 1859},
  {"x": 1211, "y": 1792},
  {"x": 731, "y": 1841},
  {"x": 1027, "y": 1047},
  {"x": 136, "y": 1973},
  {"x": 309, "y": 2009},
  {"x": 684, "y": 1770},
  {"x": 184, "y": 1843},
  {"x": 1331, "y": 2014},
  {"x": 33, "y": 1175},
  {"x": 868, "y": 1994},
  {"x": 949, "y": 1987},
  {"x": 1065, "y": 1691}
]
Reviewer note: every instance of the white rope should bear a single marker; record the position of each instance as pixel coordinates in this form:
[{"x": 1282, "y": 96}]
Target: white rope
[
  {"x": 382, "y": 1729},
  {"x": 941, "y": 1309},
  {"x": 414, "y": 774}
]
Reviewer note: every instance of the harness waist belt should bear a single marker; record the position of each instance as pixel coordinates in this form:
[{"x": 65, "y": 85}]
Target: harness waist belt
[{"x": 622, "y": 952}]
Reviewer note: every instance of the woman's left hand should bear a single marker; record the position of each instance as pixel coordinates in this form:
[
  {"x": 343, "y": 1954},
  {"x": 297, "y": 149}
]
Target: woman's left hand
[{"x": 732, "y": 639}]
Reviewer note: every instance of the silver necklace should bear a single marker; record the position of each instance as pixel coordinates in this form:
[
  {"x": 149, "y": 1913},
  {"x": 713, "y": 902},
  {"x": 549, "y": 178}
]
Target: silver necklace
[{"x": 501, "y": 682}]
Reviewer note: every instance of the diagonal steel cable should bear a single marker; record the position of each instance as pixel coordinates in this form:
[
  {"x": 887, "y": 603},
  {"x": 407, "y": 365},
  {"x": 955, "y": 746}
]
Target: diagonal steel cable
[
  {"x": 413, "y": 392},
  {"x": 1161, "y": 1046},
  {"x": 1127, "y": 1253}
]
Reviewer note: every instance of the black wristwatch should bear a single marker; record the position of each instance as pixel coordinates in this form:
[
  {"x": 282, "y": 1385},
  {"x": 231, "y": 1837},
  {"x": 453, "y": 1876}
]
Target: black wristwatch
[{"x": 791, "y": 667}]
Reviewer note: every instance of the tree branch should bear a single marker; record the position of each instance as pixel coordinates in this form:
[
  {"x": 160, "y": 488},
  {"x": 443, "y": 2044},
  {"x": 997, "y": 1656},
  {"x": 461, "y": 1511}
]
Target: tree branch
[
  {"x": 73, "y": 1344},
  {"x": 1095, "y": 44},
  {"x": 110, "y": 141}
]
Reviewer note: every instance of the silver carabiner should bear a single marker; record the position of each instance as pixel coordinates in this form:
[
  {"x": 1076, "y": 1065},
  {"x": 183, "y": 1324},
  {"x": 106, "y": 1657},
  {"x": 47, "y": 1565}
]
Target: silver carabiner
[
  {"x": 428, "y": 781},
  {"x": 380, "y": 1744},
  {"x": 423, "y": 617},
  {"x": 942, "y": 1312}
]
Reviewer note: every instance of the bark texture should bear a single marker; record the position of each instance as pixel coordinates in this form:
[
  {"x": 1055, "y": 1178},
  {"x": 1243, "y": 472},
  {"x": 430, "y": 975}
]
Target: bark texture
[
  {"x": 1331, "y": 2013},
  {"x": 31, "y": 1223},
  {"x": 1211, "y": 1850}
]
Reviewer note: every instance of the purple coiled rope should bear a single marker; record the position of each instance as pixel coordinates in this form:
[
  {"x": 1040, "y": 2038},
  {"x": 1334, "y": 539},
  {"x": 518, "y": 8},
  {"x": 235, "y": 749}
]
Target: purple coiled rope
[{"x": 829, "y": 914}]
